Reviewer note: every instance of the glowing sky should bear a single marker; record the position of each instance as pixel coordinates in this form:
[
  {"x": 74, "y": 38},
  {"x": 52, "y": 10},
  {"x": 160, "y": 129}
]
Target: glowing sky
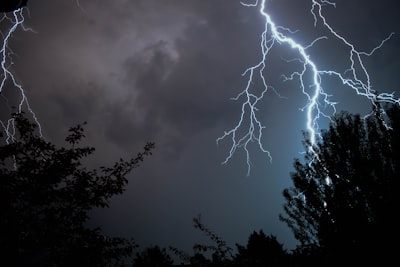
[{"x": 164, "y": 71}]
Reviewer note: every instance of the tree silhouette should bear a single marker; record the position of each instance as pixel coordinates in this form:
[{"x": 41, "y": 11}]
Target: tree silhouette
[
  {"x": 153, "y": 257},
  {"x": 261, "y": 250},
  {"x": 45, "y": 196},
  {"x": 221, "y": 252},
  {"x": 218, "y": 252},
  {"x": 342, "y": 206}
]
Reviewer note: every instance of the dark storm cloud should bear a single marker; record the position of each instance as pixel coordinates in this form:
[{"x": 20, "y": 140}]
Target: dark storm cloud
[
  {"x": 159, "y": 62},
  {"x": 159, "y": 69},
  {"x": 177, "y": 93}
]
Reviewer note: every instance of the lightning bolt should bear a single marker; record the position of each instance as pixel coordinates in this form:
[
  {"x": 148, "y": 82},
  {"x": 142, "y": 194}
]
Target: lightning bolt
[
  {"x": 355, "y": 77},
  {"x": 14, "y": 21}
]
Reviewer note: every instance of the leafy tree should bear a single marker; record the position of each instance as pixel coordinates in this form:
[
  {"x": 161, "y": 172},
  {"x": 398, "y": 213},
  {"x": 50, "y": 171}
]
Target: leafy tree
[
  {"x": 45, "y": 196},
  {"x": 221, "y": 252},
  {"x": 153, "y": 257},
  {"x": 199, "y": 260},
  {"x": 261, "y": 250},
  {"x": 218, "y": 252},
  {"x": 342, "y": 206}
]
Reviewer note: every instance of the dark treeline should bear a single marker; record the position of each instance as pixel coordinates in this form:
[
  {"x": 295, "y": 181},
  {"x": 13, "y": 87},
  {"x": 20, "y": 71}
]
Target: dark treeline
[{"x": 341, "y": 206}]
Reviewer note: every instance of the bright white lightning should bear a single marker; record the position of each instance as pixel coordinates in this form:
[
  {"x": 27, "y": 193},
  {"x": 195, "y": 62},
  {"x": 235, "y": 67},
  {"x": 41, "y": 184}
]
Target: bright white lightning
[
  {"x": 356, "y": 77},
  {"x": 8, "y": 79}
]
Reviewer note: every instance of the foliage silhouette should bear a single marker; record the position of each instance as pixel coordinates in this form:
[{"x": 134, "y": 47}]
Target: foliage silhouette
[
  {"x": 153, "y": 257},
  {"x": 45, "y": 197},
  {"x": 260, "y": 251},
  {"x": 342, "y": 207},
  {"x": 221, "y": 252},
  {"x": 218, "y": 253}
]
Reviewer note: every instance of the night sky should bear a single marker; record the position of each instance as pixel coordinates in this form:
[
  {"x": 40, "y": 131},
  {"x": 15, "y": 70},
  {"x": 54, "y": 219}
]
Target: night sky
[{"x": 165, "y": 71}]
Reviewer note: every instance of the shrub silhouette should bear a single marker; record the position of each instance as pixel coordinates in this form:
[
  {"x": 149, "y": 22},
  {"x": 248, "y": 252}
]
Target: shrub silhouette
[
  {"x": 342, "y": 205},
  {"x": 45, "y": 196}
]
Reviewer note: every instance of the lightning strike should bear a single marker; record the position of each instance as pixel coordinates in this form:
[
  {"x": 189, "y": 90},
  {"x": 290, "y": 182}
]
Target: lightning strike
[
  {"x": 356, "y": 77},
  {"x": 12, "y": 19}
]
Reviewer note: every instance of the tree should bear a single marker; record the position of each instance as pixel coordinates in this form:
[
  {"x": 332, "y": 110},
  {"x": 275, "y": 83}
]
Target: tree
[
  {"x": 45, "y": 196},
  {"x": 218, "y": 253},
  {"x": 221, "y": 252},
  {"x": 153, "y": 257},
  {"x": 261, "y": 250},
  {"x": 342, "y": 204}
]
